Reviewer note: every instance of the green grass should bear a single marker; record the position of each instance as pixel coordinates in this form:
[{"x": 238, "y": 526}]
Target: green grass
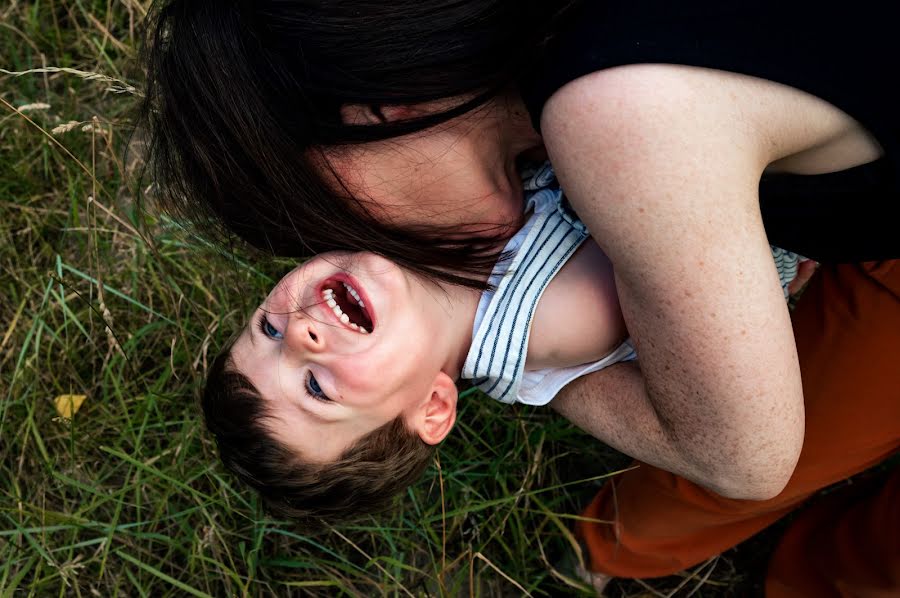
[{"x": 102, "y": 298}]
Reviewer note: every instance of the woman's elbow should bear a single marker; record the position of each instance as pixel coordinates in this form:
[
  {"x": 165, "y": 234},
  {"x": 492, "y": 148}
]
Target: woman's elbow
[
  {"x": 747, "y": 489},
  {"x": 755, "y": 480},
  {"x": 756, "y": 463}
]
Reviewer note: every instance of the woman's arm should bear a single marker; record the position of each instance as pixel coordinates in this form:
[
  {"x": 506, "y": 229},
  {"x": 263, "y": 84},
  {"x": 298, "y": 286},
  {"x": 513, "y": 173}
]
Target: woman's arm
[
  {"x": 612, "y": 405},
  {"x": 663, "y": 165}
]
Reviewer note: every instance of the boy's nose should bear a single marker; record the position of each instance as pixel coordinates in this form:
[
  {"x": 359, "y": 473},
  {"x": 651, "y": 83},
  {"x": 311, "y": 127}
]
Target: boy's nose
[{"x": 303, "y": 335}]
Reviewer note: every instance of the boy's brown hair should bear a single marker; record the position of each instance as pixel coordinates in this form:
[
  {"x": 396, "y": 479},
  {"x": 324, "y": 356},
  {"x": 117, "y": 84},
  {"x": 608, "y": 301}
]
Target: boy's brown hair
[{"x": 363, "y": 480}]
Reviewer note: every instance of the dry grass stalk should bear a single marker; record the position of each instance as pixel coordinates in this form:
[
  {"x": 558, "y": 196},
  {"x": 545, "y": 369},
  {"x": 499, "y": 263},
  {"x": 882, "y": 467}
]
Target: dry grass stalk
[{"x": 116, "y": 85}]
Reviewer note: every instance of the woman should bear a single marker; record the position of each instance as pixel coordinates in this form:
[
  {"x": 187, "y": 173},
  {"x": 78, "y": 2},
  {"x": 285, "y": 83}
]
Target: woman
[{"x": 396, "y": 127}]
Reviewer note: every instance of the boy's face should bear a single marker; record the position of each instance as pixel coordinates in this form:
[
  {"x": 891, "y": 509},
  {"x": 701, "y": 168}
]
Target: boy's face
[{"x": 344, "y": 344}]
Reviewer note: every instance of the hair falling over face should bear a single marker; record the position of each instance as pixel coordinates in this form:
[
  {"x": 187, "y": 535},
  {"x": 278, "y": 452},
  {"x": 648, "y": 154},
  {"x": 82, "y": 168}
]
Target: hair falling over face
[{"x": 244, "y": 98}]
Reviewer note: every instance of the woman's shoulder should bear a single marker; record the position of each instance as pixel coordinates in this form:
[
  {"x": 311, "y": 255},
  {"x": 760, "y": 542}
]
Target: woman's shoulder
[{"x": 638, "y": 105}]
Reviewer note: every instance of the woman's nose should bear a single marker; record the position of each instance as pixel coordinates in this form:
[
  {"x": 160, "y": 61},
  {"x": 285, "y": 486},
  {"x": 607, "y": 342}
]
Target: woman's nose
[{"x": 302, "y": 335}]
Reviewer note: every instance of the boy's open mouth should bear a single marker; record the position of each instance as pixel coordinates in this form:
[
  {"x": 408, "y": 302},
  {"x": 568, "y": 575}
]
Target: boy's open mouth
[{"x": 347, "y": 304}]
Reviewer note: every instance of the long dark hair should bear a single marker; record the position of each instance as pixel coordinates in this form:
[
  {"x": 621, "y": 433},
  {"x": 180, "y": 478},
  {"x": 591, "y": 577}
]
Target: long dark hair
[{"x": 242, "y": 95}]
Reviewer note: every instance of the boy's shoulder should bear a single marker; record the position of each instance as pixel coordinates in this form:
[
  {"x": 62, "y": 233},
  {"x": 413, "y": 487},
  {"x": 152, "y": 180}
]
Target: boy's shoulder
[{"x": 534, "y": 255}]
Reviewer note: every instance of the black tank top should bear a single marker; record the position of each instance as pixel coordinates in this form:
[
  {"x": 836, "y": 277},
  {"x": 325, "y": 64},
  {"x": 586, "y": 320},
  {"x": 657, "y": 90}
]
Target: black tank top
[{"x": 845, "y": 53}]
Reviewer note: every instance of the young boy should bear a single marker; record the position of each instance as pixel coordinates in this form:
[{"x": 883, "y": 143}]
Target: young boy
[{"x": 332, "y": 399}]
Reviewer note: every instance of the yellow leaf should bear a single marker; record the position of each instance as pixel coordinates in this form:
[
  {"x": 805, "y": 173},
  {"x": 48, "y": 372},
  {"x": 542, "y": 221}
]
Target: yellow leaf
[{"x": 68, "y": 405}]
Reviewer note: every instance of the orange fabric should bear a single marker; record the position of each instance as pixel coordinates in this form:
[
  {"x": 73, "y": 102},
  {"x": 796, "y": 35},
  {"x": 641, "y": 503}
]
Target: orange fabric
[
  {"x": 846, "y": 545},
  {"x": 847, "y": 326}
]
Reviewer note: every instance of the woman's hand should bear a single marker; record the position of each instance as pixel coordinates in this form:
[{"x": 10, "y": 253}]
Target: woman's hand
[
  {"x": 805, "y": 270},
  {"x": 663, "y": 165}
]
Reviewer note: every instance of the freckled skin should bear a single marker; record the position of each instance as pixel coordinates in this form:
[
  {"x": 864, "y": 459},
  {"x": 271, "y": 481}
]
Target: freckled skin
[{"x": 663, "y": 164}]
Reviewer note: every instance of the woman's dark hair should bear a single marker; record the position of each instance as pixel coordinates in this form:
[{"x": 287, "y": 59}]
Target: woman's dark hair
[
  {"x": 243, "y": 97},
  {"x": 364, "y": 480}
]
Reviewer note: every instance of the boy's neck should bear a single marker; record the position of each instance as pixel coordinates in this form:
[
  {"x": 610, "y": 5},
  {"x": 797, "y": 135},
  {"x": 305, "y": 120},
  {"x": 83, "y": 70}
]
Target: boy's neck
[{"x": 461, "y": 321}]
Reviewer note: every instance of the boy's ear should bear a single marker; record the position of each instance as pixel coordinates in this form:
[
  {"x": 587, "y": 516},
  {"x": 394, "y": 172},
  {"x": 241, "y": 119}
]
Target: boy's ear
[{"x": 438, "y": 414}]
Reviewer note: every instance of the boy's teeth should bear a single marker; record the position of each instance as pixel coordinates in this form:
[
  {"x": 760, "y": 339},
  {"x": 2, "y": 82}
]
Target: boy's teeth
[
  {"x": 328, "y": 297},
  {"x": 354, "y": 294}
]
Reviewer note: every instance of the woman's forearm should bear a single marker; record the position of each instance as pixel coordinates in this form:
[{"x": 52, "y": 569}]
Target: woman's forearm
[{"x": 613, "y": 406}]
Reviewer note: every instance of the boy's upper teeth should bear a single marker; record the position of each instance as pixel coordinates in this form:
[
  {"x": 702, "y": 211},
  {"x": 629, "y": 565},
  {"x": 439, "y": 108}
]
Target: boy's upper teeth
[{"x": 328, "y": 296}]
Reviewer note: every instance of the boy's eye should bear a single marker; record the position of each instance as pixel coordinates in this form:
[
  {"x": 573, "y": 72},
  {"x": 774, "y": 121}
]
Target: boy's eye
[
  {"x": 269, "y": 330},
  {"x": 312, "y": 385}
]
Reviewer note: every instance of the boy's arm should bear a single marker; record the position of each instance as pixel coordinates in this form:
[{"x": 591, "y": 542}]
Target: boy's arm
[{"x": 612, "y": 405}]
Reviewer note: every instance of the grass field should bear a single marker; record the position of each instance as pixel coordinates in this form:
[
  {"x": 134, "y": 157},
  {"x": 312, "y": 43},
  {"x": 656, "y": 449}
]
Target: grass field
[{"x": 100, "y": 296}]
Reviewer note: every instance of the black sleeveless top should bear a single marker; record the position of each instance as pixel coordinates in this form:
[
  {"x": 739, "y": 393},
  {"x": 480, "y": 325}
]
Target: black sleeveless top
[{"x": 845, "y": 53}]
